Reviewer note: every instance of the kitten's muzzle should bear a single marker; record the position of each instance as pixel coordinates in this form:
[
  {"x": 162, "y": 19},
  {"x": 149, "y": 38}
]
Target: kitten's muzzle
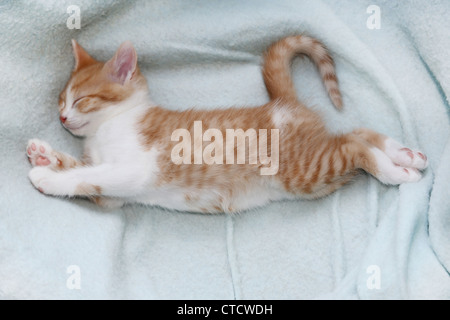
[{"x": 71, "y": 127}]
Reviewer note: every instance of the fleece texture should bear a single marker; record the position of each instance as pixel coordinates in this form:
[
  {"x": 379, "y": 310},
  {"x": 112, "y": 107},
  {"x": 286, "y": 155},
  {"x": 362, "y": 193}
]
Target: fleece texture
[{"x": 366, "y": 241}]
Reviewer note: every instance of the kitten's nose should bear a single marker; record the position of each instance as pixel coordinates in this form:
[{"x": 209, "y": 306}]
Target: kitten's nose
[{"x": 63, "y": 119}]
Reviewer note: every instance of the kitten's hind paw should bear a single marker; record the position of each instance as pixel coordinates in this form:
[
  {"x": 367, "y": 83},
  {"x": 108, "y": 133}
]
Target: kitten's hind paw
[
  {"x": 390, "y": 173},
  {"x": 405, "y": 157},
  {"x": 40, "y": 153}
]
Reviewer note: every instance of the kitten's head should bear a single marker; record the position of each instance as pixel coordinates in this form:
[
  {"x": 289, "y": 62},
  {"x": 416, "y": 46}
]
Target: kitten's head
[{"x": 96, "y": 90}]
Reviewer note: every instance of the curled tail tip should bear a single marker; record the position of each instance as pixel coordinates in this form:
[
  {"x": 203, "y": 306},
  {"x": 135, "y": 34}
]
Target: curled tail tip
[
  {"x": 334, "y": 94},
  {"x": 337, "y": 102}
]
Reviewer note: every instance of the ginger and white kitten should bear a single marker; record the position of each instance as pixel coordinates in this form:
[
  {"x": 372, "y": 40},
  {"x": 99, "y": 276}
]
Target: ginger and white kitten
[{"x": 129, "y": 143}]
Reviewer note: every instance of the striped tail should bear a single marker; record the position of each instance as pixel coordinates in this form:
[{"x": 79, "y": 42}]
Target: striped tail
[{"x": 276, "y": 70}]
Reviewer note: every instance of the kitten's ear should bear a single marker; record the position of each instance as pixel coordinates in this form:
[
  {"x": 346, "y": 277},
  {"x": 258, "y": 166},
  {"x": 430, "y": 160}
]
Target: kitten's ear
[
  {"x": 122, "y": 66},
  {"x": 82, "y": 58}
]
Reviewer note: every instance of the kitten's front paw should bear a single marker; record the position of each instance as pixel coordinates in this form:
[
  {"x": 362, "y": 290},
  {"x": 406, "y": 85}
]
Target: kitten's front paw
[
  {"x": 40, "y": 153},
  {"x": 40, "y": 177},
  {"x": 49, "y": 182}
]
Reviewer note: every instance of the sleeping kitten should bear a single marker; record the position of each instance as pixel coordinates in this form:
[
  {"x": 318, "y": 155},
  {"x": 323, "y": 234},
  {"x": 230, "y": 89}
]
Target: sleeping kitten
[{"x": 131, "y": 143}]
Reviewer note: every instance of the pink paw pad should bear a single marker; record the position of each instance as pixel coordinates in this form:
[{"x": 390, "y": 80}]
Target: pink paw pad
[
  {"x": 39, "y": 153},
  {"x": 424, "y": 157},
  {"x": 42, "y": 161},
  {"x": 409, "y": 152}
]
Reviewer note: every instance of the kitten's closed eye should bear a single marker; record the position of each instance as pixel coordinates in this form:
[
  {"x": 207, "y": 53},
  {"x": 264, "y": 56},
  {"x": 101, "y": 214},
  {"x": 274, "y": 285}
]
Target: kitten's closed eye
[{"x": 76, "y": 101}]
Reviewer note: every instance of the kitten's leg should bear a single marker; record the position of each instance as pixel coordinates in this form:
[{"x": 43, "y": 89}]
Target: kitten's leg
[
  {"x": 104, "y": 180},
  {"x": 41, "y": 154},
  {"x": 334, "y": 184},
  {"x": 398, "y": 153},
  {"x": 109, "y": 203}
]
